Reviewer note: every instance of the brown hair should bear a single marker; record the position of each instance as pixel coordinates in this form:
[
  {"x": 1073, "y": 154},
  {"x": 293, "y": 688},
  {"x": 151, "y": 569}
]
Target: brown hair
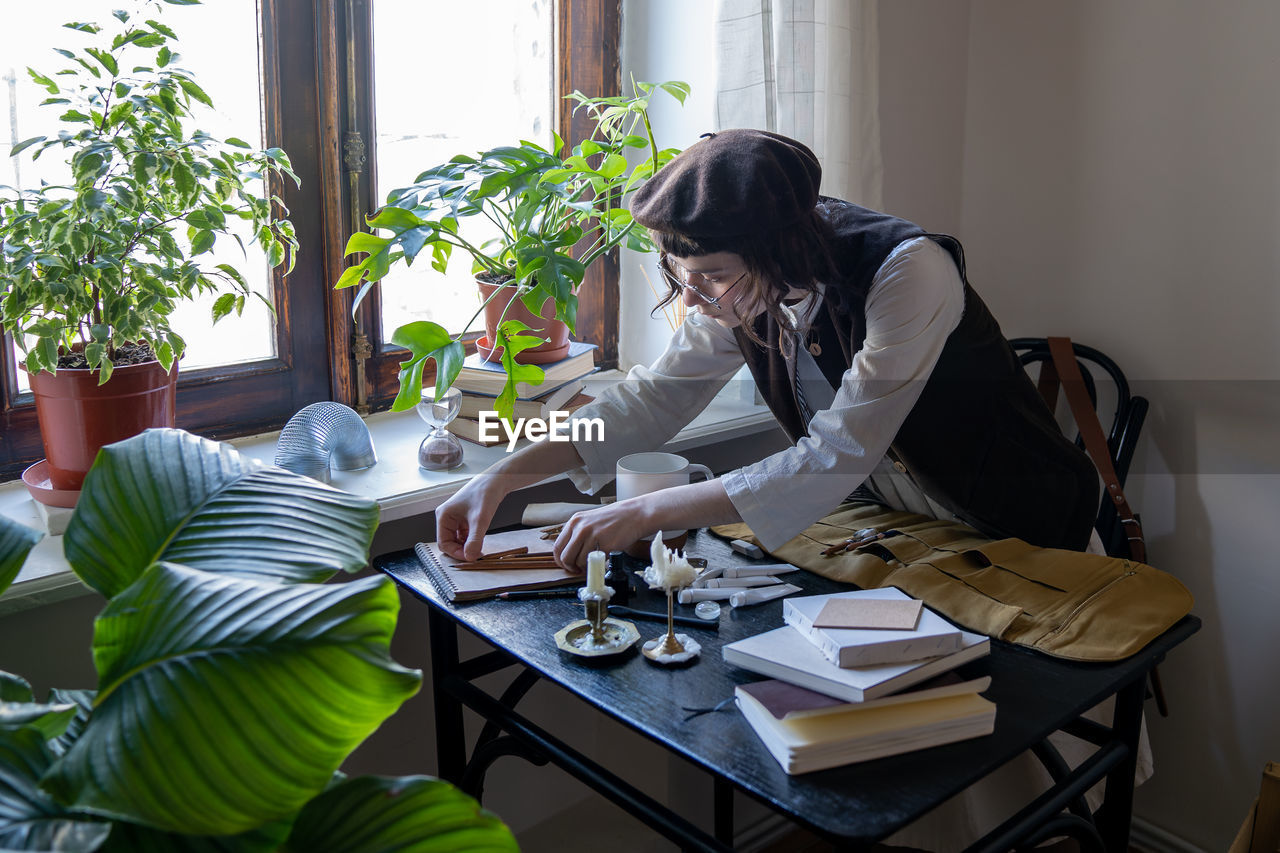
[{"x": 798, "y": 256}]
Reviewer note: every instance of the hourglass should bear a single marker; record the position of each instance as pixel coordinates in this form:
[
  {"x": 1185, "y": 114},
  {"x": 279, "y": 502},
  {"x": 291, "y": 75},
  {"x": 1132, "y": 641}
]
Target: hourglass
[{"x": 441, "y": 449}]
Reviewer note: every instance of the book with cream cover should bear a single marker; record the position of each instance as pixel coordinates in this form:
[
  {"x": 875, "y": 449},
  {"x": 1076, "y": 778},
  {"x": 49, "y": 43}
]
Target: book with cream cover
[
  {"x": 846, "y": 647},
  {"x": 469, "y": 428},
  {"x": 787, "y": 655},
  {"x": 541, "y": 406},
  {"x": 489, "y": 377},
  {"x": 815, "y": 739}
]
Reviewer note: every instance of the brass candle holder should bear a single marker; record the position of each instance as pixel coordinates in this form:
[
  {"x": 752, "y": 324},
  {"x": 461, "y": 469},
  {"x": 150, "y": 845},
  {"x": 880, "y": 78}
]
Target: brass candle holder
[
  {"x": 598, "y": 634},
  {"x": 669, "y": 572}
]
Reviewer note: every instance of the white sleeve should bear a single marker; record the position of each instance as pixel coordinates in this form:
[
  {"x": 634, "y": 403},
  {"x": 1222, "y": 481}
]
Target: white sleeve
[
  {"x": 652, "y": 404},
  {"x": 915, "y": 302}
]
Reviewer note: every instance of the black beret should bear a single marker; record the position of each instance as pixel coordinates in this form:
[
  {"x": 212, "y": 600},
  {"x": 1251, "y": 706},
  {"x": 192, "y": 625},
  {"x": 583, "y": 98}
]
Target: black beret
[{"x": 730, "y": 184}]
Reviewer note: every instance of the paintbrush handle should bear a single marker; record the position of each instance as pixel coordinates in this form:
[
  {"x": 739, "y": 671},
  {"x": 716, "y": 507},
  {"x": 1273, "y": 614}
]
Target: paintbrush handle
[{"x": 686, "y": 621}]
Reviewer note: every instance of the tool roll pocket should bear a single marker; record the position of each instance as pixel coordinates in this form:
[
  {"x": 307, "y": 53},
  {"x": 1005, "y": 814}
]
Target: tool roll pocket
[{"x": 1065, "y": 603}]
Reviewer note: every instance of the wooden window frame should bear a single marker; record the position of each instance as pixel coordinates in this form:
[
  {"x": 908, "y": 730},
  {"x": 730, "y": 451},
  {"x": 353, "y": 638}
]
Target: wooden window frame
[
  {"x": 587, "y": 38},
  {"x": 308, "y": 85}
]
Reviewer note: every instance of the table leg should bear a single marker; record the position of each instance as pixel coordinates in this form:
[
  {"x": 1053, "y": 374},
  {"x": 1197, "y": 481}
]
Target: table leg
[
  {"x": 1116, "y": 812},
  {"x": 722, "y": 797},
  {"x": 451, "y": 747}
]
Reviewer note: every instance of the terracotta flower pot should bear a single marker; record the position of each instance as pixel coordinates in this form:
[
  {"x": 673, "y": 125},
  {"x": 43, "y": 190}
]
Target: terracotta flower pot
[
  {"x": 545, "y": 325},
  {"x": 78, "y": 416}
]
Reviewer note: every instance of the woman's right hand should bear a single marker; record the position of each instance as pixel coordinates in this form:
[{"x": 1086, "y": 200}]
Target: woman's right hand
[{"x": 464, "y": 518}]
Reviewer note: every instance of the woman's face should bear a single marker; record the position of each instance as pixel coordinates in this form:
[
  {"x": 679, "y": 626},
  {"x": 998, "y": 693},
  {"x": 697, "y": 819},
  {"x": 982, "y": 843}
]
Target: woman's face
[{"x": 717, "y": 285}]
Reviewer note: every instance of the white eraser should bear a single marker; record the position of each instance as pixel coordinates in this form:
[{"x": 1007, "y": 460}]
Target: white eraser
[{"x": 746, "y": 549}]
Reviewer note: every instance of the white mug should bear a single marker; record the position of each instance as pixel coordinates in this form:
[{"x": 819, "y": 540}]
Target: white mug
[{"x": 642, "y": 473}]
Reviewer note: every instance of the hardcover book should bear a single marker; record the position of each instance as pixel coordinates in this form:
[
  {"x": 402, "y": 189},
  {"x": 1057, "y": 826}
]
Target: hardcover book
[
  {"x": 785, "y": 654},
  {"x": 469, "y": 428},
  {"x": 850, "y": 732},
  {"x": 540, "y": 406},
  {"x": 488, "y": 377},
  {"x": 931, "y": 637}
]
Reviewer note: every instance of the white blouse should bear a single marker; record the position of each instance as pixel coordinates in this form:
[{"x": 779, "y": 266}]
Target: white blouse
[{"x": 915, "y": 302}]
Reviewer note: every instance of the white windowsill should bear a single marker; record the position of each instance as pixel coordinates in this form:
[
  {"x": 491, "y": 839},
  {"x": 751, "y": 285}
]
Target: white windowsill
[{"x": 400, "y": 487}]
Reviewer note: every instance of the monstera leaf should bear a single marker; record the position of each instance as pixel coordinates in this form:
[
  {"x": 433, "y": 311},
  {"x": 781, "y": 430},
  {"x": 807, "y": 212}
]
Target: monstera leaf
[
  {"x": 225, "y": 703},
  {"x": 168, "y": 495},
  {"x": 425, "y": 340},
  {"x": 415, "y": 814},
  {"x": 16, "y": 541},
  {"x": 29, "y": 818}
]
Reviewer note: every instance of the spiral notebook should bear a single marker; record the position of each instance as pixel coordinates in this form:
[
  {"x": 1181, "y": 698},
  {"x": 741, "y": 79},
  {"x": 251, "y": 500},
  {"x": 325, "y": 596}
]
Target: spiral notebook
[{"x": 470, "y": 584}]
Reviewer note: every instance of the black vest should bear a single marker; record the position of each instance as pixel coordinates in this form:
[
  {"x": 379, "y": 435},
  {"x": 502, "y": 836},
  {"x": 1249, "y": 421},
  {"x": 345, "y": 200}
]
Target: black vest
[{"x": 979, "y": 441}]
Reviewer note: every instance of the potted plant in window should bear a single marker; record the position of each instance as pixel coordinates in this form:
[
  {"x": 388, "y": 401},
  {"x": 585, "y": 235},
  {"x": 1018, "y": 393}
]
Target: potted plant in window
[
  {"x": 543, "y": 203},
  {"x": 91, "y": 269},
  {"x": 232, "y": 683}
]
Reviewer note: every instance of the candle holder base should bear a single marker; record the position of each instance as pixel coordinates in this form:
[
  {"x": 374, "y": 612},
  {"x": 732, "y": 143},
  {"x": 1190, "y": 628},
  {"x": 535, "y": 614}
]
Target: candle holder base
[
  {"x": 616, "y": 636},
  {"x": 656, "y": 650}
]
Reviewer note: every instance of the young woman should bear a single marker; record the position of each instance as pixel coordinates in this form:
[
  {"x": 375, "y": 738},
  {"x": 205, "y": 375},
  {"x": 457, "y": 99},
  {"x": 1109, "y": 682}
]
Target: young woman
[{"x": 864, "y": 337}]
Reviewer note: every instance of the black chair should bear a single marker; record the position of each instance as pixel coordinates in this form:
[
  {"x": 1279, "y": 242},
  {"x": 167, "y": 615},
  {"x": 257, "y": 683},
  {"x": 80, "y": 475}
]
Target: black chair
[
  {"x": 1129, "y": 413},
  {"x": 1126, "y": 424}
]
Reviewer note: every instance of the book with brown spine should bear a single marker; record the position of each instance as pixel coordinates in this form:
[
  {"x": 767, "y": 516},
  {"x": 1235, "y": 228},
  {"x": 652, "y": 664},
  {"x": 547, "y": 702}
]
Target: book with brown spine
[{"x": 469, "y": 428}]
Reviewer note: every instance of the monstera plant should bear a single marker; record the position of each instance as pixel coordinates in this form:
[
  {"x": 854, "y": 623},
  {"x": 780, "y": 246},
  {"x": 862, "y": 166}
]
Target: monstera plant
[
  {"x": 544, "y": 203},
  {"x": 231, "y": 684}
]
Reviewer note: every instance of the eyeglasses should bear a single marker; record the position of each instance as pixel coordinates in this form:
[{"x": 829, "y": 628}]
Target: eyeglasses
[{"x": 675, "y": 280}]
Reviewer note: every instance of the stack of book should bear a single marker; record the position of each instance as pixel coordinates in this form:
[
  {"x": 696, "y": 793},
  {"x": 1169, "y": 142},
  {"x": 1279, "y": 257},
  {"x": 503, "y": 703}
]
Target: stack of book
[
  {"x": 480, "y": 382},
  {"x": 844, "y": 694}
]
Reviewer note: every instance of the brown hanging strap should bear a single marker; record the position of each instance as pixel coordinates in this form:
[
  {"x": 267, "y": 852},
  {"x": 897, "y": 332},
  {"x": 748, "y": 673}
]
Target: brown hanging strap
[
  {"x": 1095, "y": 442},
  {"x": 1065, "y": 370}
]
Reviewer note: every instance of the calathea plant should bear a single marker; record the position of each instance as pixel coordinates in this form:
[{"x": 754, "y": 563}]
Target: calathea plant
[
  {"x": 543, "y": 203},
  {"x": 103, "y": 260},
  {"x": 231, "y": 682}
]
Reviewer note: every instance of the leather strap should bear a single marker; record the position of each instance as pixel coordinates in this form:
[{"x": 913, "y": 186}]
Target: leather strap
[{"x": 1095, "y": 442}]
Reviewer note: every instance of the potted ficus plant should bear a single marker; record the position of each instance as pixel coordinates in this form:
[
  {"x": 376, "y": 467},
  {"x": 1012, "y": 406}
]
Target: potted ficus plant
[
  {"x": 544, "y": 203},
  {"x": 92, "y": 268},
  {"x": 232, "y": 683}
]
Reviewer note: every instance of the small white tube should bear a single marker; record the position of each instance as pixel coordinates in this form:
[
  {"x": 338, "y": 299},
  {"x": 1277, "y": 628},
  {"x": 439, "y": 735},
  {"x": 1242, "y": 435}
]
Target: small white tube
[
  {"x": 691, "y": 595},
  {"x": 741, "y": 583},
  {"x": 758, "y": 571},
  {"x": 756, "y": 596}
]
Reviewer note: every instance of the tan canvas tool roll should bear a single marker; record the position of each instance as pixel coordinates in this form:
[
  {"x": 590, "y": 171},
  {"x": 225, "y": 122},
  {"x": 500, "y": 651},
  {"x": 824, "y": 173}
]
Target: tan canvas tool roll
[{"x": 1065, "y": 603}]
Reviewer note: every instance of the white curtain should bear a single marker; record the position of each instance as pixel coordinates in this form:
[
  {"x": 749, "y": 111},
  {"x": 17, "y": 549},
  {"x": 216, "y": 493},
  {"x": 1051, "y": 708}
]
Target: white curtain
[{"x": 807, "y": 69}]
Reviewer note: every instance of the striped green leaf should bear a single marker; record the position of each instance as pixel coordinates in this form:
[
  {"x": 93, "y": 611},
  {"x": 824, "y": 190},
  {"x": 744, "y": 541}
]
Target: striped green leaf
[
  {"x": 16, "y": 541},
  {"x": 29, "y": 818},
  {"x": 413, "y": 814},
  {"x": 169, "y": 495},
  {"x": 132, "y": 838},
  {"x": 83, "y": 701},
  {"x": 226, "y": 702}
]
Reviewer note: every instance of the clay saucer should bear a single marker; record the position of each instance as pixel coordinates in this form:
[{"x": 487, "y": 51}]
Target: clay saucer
[
  {"x": 536, "y": 355},
  {"x": 36, "y": 479}
]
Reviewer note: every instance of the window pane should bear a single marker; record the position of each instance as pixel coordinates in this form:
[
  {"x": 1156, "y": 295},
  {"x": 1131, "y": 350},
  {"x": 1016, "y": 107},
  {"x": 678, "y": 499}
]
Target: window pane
[
  {"x": 454, "y": 78},
  {"x": 206, "y": 37}
]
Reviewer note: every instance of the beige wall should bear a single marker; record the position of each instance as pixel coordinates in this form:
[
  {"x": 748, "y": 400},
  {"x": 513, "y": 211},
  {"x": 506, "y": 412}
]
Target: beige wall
[{"x": 1118, "y": 177}]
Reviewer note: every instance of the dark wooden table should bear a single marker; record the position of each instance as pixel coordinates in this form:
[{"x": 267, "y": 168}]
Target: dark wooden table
[{"x": 853, "y": 806}]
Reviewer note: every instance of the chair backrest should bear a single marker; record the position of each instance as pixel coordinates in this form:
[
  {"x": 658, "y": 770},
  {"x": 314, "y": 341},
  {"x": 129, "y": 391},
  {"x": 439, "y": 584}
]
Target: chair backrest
[{"x": 1126, "y": 423}]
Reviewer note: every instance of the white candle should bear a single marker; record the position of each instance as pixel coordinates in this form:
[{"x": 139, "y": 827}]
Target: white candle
[{"x": 595, "y": 571}]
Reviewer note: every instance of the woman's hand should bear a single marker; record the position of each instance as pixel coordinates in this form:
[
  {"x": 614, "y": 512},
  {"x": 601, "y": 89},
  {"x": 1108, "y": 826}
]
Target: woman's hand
[
  {"x": 463, "y": 519},
  {"x": 612, "y": 527}
]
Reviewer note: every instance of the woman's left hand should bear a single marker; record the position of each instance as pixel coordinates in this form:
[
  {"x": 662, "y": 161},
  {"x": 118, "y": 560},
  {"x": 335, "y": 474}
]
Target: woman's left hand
[{"x": 612, "y": 527}]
